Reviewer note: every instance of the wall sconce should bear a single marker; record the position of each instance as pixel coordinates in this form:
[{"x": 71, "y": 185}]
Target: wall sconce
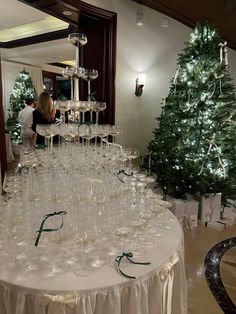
[
  {"x": 140, "y": 81},
  {"x": 139, "y": 19}
]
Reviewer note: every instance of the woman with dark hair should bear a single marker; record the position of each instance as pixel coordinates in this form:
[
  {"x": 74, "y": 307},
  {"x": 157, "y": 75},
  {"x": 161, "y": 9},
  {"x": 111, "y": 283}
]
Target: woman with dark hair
[{"x": 45, "y": 113}]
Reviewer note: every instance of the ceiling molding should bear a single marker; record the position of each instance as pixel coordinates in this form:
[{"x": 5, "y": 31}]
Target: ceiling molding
[
  {"x": 38, "y": 38},
  {"x": 58, "y": 64},
  {"x": 78, "y": 8}
]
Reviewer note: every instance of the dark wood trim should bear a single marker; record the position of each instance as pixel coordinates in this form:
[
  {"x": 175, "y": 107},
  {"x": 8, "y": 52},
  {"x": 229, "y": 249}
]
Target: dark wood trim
[
  {"x": 78, "y": 6},
  {"x": 110, "y": 82},
  {"x": 38, "y": 38},
  {"x": 168, "y": 11},
  {"x": 58, "y": 64},
  {"x": 90, "y": 10},
  {"x": 3, "y": 155}
]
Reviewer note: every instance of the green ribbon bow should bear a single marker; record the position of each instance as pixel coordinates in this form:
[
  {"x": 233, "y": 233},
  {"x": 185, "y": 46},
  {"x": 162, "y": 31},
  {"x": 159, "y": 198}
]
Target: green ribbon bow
[
  {"x": 128, "y": 256},
  {"x": 125, "y": 173},
  {"x": 41, "y": 229}
]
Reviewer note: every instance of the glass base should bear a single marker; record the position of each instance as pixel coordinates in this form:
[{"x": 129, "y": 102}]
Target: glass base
[
  {"x": 154, "y": 232},
  {"x": 83, "y": 270},
  {"x": 33, "y": 266},
  {"x": 137, "y": 251},
  {"x": 98, "y": 262},
  {"x": 147, "y": 241},
  {"x": 60, "y": 267}
]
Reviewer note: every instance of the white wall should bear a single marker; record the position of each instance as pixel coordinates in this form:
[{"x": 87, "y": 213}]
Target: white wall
[{"x": 150, "y": 49}]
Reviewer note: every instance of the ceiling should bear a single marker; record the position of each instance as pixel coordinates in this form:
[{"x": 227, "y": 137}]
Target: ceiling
[
  {"x": 35, "y": 54},
  {"x": 220, "y": 13}
]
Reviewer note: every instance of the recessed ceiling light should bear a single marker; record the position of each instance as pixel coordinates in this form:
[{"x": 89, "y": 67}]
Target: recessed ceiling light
[{"x": 67, "y": 13}]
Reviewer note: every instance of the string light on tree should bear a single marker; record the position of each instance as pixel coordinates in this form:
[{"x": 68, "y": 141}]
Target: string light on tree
[
  {"x": 194, "y": 145},
  {"x": 23, "y": 88}
]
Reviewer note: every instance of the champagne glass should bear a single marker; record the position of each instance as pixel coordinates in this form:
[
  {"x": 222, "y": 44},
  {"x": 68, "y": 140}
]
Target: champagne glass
[
  {"x": 77, "y": 39},
  {"x": 53, "y": 242},
  {"x": 89, "y": 75},
  {"x": 98, "y": 108},
  {"x": 63, "y": 106},
  {"x": 98, "y": 196},
  {"x": 48, "y": 131},
  {"x": 68, "y": 131},
  {"x": 114, "y": 131},
  {"x": 60, "y": 266},
  {"x": 84, "y": 239}
]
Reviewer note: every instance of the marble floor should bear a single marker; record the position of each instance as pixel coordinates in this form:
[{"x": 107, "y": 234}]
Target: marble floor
[{"x": 197, "y": 244}]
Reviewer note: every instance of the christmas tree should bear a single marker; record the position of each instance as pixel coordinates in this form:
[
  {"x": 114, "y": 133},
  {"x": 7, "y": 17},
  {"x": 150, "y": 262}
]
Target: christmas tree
[
  {"x": 194, "y": 145},
  {"x": 23, "y": 88}
]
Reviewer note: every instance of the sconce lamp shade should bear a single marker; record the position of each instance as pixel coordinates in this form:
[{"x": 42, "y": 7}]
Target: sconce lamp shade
[
  {"x": 140, "y": 81},
  {"x": 139, "y": 20}
]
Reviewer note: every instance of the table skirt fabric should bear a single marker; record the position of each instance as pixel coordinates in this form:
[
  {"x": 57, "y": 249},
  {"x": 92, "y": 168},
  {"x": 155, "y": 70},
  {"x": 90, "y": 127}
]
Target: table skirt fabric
[
  {"x": 161, "y": 292},
  {"x": 10, "y": 156}
]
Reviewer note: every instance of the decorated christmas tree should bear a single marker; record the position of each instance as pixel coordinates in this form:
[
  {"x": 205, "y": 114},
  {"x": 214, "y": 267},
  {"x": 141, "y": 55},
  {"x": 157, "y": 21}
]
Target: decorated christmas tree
[
  {"x": 194, "y": 145},
  {"x": 23, "y": 88}
]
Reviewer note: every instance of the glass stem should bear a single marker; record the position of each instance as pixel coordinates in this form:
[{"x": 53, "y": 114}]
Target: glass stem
[{"x": 96, "y": 117}]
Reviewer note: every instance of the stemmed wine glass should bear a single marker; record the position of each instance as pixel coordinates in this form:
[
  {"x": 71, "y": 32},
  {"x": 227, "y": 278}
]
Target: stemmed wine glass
[
  {"x": 89, "y": 75},
  {"x": 48, "y": 131},
  {"x": 114, "y": 131},
  {"x": 98, "y": 197},
  {"x": 85, "y": 132},
  {"x": 63, "y": 106},
  {"x": 77, "y": 39},
  {"x": 100, "y": 106},
  {"x": 84, "y": 237},
  {"x": 68, "y": 131}
]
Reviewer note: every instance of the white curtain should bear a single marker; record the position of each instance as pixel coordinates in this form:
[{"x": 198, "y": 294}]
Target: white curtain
[{"x": 10, "y": 70}]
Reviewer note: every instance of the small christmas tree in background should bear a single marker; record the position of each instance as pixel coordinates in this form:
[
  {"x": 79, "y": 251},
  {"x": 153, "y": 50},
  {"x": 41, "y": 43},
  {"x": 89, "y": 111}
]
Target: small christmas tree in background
[
  {"x": 23, "y": 88},
  {"x": 194, "y": 145}
]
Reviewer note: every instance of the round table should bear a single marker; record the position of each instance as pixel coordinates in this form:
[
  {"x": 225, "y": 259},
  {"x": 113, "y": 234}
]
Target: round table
[{"x": 158, "y": 288}]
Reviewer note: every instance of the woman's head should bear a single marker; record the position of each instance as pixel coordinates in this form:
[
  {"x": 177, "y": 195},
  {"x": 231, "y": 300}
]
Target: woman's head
[{"x": 45, "y": 105}]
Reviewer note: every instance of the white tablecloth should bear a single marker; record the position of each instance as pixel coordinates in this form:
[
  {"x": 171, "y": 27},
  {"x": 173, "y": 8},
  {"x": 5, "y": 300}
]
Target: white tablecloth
[
  {"x": 159, "y": 288},
  {"x": 10, "y": 156}
]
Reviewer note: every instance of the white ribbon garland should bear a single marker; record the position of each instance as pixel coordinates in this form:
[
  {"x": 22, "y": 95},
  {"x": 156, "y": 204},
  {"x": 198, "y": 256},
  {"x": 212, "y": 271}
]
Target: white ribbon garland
[
  {"x": 167, "y": 279},
  {"x": 176, "y": 75},
  {"x": 175, "y": 78},
  {"x": 57, "y": 303},
  {"x": 214, "y": 89},
  {"x": 219, "y": 78},
  {"x": 213, "y": 144},
  {"x": 189, "y": 95},
  {"x": 223, "y": 53}
]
